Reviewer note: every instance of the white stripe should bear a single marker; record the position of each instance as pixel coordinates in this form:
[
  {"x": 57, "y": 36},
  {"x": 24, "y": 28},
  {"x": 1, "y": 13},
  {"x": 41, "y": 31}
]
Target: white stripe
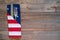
[
  {"x": 15, "y": 33},
  {"x": 14, "y": 25},
  {"x": 10, "y": 18}
]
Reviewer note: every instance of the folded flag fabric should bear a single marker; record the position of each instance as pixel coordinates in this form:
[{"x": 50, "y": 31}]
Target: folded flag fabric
[{"x": 14, "y": 20}]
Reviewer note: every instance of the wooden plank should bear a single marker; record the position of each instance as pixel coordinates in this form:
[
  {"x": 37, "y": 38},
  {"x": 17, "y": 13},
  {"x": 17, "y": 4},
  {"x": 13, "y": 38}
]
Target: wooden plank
[{"x": 14, "y": 39}]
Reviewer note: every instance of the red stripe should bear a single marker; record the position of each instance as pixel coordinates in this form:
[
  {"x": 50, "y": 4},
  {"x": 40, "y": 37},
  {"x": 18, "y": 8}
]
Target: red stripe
[
  {"x": 12, "y": 21},
  {"x": 14, "y": 29},
  {"x": 14, "y": 36}
]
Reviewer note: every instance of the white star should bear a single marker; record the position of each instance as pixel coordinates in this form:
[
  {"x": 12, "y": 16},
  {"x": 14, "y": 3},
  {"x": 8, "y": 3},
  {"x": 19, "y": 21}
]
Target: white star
[
  {"x": 15, "y": 8},
  {"x": 17, "y": 16},
  {"x": 7, "y": 8}
]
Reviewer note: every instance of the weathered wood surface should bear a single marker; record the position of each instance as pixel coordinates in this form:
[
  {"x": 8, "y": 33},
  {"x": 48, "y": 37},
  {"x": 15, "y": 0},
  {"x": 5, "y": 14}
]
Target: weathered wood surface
[
  {"x": 3, "y": 25},
  {"x": 35, "y": 26},
  {"x": 40, "y": 26}
]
